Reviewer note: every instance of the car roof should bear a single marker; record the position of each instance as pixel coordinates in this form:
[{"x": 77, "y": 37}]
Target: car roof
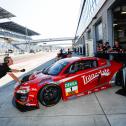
[{"x": 73, "y": 59}]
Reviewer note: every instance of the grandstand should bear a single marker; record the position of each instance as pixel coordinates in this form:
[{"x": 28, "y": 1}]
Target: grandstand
[
  {"x": 11, "y": 33},
  {"x": 15, "y": 38},
  {"x": 5, "y": 14}
]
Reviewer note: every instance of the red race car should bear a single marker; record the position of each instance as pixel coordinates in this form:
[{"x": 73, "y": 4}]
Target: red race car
[{"x": 68, "y": 78}]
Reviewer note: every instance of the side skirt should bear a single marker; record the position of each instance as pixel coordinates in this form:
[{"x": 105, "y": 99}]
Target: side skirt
[{"x": 87, "y": 92}]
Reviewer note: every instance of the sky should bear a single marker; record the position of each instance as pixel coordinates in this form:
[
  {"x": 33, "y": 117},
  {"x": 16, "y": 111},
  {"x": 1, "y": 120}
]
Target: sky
[{"x": 50, "y": 18}]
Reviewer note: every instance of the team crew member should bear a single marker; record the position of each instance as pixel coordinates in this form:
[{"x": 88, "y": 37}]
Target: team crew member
[
  {"x": 117, "y": 47},
  {"x": 5, "y": 69},
  {"x": 69, "y": 53}
]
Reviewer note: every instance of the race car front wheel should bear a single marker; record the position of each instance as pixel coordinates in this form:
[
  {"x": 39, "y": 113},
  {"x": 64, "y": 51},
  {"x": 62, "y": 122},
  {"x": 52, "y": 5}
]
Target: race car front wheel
[{"x": 50, "y": 95}]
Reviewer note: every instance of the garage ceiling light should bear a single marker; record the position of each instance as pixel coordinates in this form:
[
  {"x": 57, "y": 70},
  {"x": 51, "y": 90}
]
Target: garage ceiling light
[
  {"x": 123, "y": 10},
  {"x": 120, "y": 30},
  {"x": 115, "y": 24}
]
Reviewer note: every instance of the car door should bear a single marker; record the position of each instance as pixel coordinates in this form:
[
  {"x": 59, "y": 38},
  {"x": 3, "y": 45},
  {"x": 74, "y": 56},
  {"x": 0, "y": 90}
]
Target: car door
[
  {"x": 91, "y": 77},
  {"x": 105, "y": 71},
  {"x": 81, "y": 77}
]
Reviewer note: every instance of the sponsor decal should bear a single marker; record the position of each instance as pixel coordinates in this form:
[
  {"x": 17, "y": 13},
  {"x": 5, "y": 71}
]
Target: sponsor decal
[
  {"x": 89, "y": 92},
  {"x": 67, "y": 79},
  {"x": 71, "y": 88},
  {"x": 33, "y": 89},
  {"x": 80, "y": 94},
  {"x": 90, "y": 77},
  {"x": 96, "y": 89},
  {"x": 29, "y": 104},
  {"x": 103, "y": 88},
  {"x": 31, "y": 96}
]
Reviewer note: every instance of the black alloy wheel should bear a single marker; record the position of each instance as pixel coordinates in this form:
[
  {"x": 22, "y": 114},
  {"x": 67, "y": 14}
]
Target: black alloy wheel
[
  {"x": 124, "y": 78},
  {"x": 50, "y": 95},
  {"x": 121, "y": 78}
]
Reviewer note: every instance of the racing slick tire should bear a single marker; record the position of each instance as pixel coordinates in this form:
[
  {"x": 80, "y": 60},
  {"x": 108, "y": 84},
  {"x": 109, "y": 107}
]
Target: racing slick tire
[
  {"x": 50, "y": 95},
  {"x": 124, "y": 78},
  {"x": 121, "y": 78}
]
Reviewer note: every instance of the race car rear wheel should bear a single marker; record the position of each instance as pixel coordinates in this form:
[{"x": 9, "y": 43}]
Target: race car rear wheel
[
  {"x": 124, "y": 78},
  {"x": 50, "y": 95},
  {"x": 121, "y": 78}
]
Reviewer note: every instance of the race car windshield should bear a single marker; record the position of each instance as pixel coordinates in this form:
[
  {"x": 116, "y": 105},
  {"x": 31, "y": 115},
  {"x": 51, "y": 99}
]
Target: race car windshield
[{"x": 56, "y": 68}]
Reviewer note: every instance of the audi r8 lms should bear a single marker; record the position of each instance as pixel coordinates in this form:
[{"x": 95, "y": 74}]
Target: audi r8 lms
[{"x": 67, "y": 78}]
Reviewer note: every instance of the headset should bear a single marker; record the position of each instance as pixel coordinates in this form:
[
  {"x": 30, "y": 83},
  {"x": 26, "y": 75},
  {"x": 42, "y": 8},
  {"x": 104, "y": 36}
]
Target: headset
[{"x": 6, "y": 59}]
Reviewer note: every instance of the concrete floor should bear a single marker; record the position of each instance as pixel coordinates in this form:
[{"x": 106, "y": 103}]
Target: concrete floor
[{"x": 104, "y": 108}]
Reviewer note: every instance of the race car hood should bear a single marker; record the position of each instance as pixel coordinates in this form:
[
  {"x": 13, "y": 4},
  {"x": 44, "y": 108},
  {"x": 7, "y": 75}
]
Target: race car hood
[{"x": 38, "y": 78}]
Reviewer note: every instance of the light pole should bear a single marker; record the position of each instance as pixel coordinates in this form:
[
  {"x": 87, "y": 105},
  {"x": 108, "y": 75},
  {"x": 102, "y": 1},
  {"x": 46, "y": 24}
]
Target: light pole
[{"x": 27, "y": 40}]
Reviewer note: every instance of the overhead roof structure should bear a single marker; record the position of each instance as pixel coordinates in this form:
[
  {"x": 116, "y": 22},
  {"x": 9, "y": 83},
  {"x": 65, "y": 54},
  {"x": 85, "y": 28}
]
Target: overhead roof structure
[
  {"x": 5, "y": 14},
  {"x": 14, "y": 27},
  {"x": 44, "y": 41}
]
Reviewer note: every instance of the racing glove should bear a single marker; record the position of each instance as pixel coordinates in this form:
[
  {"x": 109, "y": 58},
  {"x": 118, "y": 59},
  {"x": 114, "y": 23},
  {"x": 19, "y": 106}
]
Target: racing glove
[{"x": 23, "y": 70}]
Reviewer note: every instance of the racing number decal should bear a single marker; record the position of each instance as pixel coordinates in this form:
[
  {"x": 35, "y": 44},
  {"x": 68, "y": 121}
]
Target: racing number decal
[{"x": 71, "y": 88}]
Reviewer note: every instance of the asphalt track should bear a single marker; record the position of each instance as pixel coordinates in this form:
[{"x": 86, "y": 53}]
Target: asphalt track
[{"x": 104, "y": 108}]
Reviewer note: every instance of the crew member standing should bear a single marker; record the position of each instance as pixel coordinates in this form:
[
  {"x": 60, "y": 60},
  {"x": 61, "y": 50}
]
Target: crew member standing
[
  {"x": 69, "y": 53},
  {"x": 117, "y": 47},
  {"x": 5, "y": 69}
]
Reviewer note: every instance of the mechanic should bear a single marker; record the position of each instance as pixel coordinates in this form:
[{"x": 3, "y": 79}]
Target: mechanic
[
  {"x": 5, "y": 69},
  {"x": 69, "y": 53},
  {"x": 117, "y": 47},
  {"x": 106, "y": 47},
  {"x": 60, "y": 54}
]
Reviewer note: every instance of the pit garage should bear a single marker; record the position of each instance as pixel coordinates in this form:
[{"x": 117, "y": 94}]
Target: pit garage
[{"x": 119, "y": 22}]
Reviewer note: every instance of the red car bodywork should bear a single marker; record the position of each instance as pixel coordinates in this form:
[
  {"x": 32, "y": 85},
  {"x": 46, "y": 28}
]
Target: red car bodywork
[{"x": 81, "y": 82}]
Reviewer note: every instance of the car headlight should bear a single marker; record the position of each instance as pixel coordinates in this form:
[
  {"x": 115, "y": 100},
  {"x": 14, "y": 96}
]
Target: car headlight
[{"x": 23, "y": 90}]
